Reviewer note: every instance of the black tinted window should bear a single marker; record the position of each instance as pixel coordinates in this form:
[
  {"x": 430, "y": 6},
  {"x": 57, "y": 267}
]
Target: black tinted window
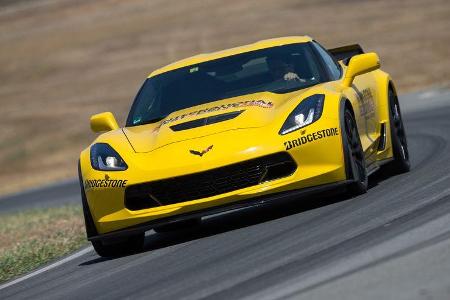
[
  {"x": 278, "y": 69},
  {"x": 331, "y": 65}
]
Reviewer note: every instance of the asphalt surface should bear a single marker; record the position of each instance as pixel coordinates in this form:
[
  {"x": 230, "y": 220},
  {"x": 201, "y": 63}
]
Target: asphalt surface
[
  {"x": 67, "y": 192},
  {"x": 391, "y": 243}
]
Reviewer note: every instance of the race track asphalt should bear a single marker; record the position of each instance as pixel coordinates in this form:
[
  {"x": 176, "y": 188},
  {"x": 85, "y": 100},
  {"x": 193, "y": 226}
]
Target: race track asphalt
[
  {"x": 66, "y": 192},
  {"x": 391, "y": 243}
]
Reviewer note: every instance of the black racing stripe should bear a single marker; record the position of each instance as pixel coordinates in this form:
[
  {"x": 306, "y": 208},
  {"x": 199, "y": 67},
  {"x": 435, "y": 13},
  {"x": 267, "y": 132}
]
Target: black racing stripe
[{"x": 206, "y": 121}]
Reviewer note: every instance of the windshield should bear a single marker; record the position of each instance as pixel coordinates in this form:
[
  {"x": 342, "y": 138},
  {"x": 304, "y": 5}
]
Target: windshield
[{"x": 279, "y": 69}]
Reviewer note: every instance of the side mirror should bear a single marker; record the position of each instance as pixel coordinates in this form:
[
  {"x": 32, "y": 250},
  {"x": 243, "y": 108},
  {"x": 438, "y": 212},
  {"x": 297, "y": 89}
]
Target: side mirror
[
  {"x": 360, "y": 64},
  {"x": 103, "y": 122}
]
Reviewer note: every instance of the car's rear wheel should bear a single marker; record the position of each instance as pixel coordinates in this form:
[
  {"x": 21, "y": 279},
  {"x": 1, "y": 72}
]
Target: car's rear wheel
[
  {"x": 356, "y": 161},
  {"x": 401, "y": 163}
]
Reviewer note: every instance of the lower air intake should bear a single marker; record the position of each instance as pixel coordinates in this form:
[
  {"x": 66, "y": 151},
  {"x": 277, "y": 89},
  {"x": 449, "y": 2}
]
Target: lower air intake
[{"x": 209, "y": 183}]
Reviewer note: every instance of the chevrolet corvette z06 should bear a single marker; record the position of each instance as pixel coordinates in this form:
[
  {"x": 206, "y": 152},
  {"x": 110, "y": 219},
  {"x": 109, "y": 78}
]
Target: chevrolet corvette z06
[{"x": 234, "y": 128}]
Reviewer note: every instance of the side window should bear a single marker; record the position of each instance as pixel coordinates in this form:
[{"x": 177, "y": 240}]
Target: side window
[{"x": 331, "y": 65}]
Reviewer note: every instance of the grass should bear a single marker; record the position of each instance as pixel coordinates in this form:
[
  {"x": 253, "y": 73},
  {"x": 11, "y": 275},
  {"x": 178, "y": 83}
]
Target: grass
[{"x": 32, "y": 238}]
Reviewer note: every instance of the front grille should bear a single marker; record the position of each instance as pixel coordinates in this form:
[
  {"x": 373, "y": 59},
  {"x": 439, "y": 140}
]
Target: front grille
[{"x": 209, "y": 183}]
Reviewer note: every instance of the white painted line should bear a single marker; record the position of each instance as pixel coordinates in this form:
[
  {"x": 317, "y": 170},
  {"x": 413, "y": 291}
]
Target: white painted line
[{"x": 49, "y": 267}]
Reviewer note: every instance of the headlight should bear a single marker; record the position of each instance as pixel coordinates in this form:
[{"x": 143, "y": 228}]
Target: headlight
[
  {"x": 307, "y": 112},
  {"x": 105, "y": 158}
]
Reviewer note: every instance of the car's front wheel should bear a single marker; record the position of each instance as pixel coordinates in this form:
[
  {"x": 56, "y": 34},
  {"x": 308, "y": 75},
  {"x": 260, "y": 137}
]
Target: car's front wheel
[
  {"x": 356, "y": 163},
  {"x": 112, "y": 248},
  {"x": 109, "y": 248}
]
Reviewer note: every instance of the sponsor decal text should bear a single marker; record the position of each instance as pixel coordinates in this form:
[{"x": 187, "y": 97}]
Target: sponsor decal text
[{"x": 305, "y": 139}]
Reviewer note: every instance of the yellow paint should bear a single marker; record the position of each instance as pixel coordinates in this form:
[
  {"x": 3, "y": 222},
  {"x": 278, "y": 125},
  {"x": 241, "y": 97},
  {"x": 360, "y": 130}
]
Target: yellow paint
[
  {"x": 360, "y": 64},
  {"x": 103, "y": 122},
  {"x": 158, "y": 152}
]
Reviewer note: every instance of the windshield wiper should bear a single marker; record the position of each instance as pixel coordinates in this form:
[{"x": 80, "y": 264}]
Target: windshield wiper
[{"x": 154, "y": 120}]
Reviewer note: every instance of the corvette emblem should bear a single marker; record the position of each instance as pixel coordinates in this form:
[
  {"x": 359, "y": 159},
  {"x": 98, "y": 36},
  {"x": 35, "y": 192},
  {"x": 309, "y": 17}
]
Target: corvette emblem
[{"x": 201, "y": 153}]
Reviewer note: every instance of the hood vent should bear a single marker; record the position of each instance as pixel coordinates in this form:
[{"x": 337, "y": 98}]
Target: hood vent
[{"x": 206, "y": 121}]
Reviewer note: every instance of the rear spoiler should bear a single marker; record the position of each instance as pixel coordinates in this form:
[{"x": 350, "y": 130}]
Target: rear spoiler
[{"x": 346, "y": 52}]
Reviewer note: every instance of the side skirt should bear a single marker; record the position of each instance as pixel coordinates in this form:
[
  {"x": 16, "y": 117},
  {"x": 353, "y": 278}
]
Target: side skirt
[{"x": 377, "y": 165}]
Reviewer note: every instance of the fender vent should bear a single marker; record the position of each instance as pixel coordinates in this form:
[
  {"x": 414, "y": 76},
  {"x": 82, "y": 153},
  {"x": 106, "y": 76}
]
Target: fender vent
[{"x": 382, "y": 143}]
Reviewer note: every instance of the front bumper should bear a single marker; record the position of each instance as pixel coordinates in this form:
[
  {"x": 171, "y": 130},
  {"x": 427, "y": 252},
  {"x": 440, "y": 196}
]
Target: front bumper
[
  {"x": 259, "y": 201},
  {"x": 320, "y": 161}
]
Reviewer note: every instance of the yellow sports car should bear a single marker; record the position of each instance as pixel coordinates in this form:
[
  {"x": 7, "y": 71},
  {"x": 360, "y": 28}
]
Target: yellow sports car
[{"x": 277, "y": 118}]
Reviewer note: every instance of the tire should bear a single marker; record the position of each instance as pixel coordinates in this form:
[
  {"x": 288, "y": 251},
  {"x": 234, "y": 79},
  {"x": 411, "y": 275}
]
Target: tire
[
  {"x": 88, "y": 221},
  {"x": 356, "y": 163},
  {"x": 114, "y": 248},
  {"x": 180, "y": 225},
  {"x": 400, "y": 163}
]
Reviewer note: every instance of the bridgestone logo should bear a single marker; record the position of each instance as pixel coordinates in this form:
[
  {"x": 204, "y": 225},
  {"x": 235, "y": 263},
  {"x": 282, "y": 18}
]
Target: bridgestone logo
[
  {"x": 311, "y": 137},
  {"x": 104, "y": 183}
]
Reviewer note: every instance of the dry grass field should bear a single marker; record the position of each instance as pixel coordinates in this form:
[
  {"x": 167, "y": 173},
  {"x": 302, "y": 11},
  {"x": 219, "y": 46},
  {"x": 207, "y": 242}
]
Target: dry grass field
[
  {"x": 34, "y": 237},
  {"x": 63, "y": 60}
]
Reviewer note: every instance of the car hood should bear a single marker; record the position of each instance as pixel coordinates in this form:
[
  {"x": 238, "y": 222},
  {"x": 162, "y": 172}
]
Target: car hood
[{"x": 248, "y": 111}]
